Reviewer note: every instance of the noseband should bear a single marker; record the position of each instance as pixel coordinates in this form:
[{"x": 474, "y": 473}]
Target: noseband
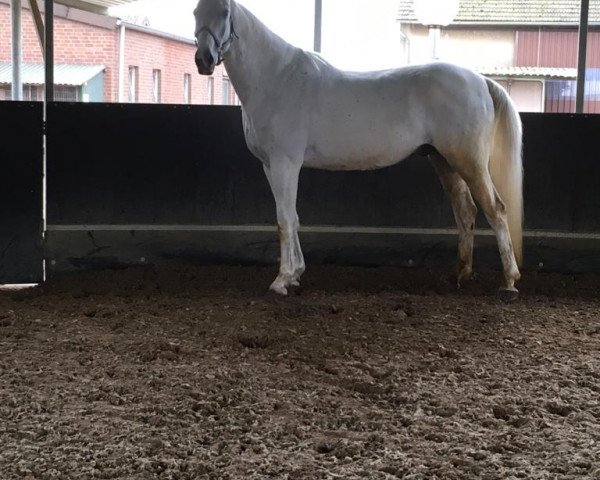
[{"x": 221, "y": 47}]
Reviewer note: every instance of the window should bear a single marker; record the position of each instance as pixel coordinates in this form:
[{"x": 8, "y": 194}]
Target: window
[
  {"x": 226, "y": 100},
  {"x": 187, "y": 88},
  {"x": 211, "y": 90},
  {"x": 35, "y": 93},
  {"x": 65, "y": 93},
  {"x": 5, "y": 93},
  {"x": 156, "y": 86},
  {"x": 31, "y": 93},
  {"x": 561, "y": 94},
  {"x": 133, "y": 85}
]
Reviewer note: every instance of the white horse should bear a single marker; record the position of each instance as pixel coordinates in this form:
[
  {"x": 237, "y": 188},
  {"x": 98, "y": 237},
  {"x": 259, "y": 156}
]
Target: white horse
[{"x": 298, "y": 110}]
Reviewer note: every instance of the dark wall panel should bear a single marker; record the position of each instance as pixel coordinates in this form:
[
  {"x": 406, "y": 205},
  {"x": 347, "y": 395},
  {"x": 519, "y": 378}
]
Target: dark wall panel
[
  {"x": 149, "y": 165},
  {"x": 21, "y": 158},
  {"x": 562, "y": 172}
]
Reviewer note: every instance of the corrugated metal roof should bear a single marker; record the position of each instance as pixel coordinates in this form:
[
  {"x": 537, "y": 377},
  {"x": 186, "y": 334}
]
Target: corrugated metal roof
[
  {"x": 493, "y": 12},
  {"x": 64, "y": 74},
  {"x": 528, "y": 72},
  {"x": 106, "y": 3},
  {"x": 97, "y": 3}
]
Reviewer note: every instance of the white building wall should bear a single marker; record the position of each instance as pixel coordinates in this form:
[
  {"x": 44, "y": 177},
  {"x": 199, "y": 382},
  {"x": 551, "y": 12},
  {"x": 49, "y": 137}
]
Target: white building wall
[{"x": 470, "y": 48}]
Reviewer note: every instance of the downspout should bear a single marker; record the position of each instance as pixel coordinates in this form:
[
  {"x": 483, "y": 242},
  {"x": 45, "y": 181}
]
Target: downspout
[
  {"x": 543, "y": 110},
  {"x": 405, "y": 42},
  {"x": 539, "y": 47},
  {"x": 17, "y": 50},
  {"x": 121, "y": 61}
]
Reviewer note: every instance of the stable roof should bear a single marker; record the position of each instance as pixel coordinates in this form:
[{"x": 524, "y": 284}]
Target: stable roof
[{"x": 513, "y": 12}]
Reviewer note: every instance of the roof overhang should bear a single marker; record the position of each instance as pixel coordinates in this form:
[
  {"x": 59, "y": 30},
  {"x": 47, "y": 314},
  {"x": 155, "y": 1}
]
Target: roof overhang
[{"x": 96, "y": 6}]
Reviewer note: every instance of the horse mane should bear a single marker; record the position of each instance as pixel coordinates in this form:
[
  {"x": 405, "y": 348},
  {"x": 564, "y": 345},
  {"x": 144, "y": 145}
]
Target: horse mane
[{"x": 272, "y": 39}]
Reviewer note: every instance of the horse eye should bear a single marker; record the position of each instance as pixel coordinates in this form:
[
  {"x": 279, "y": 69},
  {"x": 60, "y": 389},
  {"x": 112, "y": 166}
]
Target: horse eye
[{"x": 225, "y": 13}]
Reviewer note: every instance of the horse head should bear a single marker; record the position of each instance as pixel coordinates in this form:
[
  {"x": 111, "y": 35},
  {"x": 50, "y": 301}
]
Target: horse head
[{"x": 214, "y": 33}]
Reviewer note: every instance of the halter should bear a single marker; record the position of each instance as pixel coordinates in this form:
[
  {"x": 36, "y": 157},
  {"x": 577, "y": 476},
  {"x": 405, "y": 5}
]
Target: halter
[{"x": 221, "y": 47}]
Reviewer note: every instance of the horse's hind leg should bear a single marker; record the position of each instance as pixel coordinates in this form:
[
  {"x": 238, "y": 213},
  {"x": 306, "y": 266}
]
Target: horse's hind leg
[
  {"x": 480, "y": 183},
  {"x": 465, "y": 212},
  {"x": 283, "y": 178}
]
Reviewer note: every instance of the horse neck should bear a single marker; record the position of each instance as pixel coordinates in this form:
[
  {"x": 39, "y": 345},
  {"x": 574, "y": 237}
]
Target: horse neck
[{"x": 255, "y": 58}]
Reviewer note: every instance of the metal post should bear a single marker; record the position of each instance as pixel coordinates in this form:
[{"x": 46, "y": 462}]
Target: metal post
[
  {"x": 318, "y": 24},
  {"x": 49, "y": 48},
  {"x": 16, "y": 58},
  {"x": 582, "y": 55}
]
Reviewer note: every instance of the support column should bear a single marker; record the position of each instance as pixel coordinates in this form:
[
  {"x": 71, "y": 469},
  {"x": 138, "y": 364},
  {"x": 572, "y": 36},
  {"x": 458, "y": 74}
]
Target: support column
[
  {"x": 17, "y": 50},
  {"x": 318, "y": 24},
  {"x": 49, "y": 49},
  {"x": 582, "y": 55}
]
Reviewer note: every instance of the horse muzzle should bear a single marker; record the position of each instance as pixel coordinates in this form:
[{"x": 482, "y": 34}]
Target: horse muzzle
[{"x": 205, "y": 62}]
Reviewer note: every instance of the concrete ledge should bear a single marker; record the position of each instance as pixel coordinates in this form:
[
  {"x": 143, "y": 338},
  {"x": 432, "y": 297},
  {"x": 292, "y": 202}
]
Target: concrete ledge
[{"x": 72, "y": 247}]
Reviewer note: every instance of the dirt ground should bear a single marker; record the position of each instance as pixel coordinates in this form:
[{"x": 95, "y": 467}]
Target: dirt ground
[{"x": 196, "y": 373}]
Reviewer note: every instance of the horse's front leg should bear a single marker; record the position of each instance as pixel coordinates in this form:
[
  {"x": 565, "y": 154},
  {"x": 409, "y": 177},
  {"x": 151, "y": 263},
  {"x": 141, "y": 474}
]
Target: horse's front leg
[{"x": 283, "y": 177}]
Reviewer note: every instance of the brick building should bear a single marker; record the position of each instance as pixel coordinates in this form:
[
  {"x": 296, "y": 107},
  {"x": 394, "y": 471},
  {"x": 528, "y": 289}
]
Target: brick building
[{"x": 106, "y": 59}]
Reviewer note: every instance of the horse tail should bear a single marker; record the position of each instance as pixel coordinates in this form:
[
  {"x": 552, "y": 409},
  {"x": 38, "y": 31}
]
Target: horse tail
[{"x": 506, "y": 163}]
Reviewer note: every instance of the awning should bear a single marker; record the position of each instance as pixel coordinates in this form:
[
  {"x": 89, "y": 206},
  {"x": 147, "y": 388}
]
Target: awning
[
  {"x": 64, "y": 74},
  {"x": 529, "y": 72}
]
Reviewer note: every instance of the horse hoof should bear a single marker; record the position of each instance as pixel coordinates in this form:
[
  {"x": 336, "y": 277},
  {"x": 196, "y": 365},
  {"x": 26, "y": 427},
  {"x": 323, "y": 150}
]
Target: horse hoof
[
  {"x": 278, "y": 289},
  {"x": 509, "y": 295},
  {"x": 464, "y": 277},
  {"x": 295, "y": 283}
]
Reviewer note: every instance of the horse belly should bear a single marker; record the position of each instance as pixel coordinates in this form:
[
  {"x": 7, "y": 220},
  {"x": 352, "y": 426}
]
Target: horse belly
[{"x": 356, "y": 152}]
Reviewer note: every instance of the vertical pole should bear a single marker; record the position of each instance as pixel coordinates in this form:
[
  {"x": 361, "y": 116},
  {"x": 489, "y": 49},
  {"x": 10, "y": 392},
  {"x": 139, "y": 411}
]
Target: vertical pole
[
  {"x": 582, "y": 55},
  {"x": 17, "y": 50},
  {"x": 49, "y": 48},
  {"x": 318, "y": 24}
]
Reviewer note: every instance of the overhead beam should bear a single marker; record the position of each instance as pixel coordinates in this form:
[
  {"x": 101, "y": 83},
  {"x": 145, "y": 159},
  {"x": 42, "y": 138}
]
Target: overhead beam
[
  {"x": 39, "y": 23},
  {"x": 582, "y": 55}
]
